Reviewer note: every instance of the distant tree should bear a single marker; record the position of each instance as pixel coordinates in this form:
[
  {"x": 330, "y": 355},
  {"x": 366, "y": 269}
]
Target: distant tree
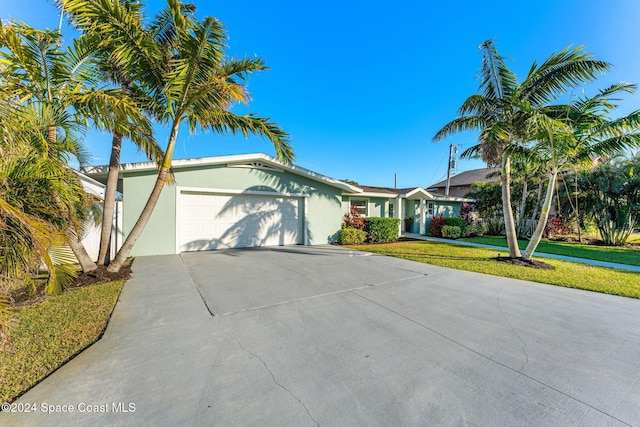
[
  {"x": 612, "y": 198},
  {"x": 350, "y": 181}
]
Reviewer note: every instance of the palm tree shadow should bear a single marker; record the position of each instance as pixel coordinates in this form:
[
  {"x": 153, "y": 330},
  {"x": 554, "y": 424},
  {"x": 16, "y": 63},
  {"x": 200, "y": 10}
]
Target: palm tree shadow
[
  {"x": 262, "y": 221},
  {"x": 266, "y": 221}
]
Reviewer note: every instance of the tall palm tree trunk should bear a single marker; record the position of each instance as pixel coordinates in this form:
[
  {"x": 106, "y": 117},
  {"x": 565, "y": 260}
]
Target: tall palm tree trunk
[
  {"x": 520, "y": 221},
  {"x": 544, "y": 216},
  {"x": 142, "y": 221},
  {"x": 538, "y": 203},
  {"x": 509, "y": 223},
  {"x": 110, "y": 197},
  {"x": 86, "y": 263}
]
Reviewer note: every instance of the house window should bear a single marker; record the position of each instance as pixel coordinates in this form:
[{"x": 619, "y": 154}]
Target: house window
[
  {"x": 391, "y": 213},
  {"x": 361, "y": 206},
  {"x": 430, "y": 209}
]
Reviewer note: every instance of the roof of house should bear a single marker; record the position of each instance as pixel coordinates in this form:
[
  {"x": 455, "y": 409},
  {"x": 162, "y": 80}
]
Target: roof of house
[
  {"x": 467, "y": 178},
  {"x": 258, "y": 160},
  {"x": 416, "y": 192},
  {"x": 386, "y": 190}
]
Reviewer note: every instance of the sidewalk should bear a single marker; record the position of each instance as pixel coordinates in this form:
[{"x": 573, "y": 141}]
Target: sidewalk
[{"x": 627, "y": 267}]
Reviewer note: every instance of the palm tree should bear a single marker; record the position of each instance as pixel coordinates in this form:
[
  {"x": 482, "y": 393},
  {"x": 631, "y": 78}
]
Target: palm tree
[
  {"x": 66, "y": 87},
  {"x": 501, "y": 110},
  {"x": 119, "y": 64},
  {"x": 574, "y": 134},
  {"x": 39, "y": 198}
]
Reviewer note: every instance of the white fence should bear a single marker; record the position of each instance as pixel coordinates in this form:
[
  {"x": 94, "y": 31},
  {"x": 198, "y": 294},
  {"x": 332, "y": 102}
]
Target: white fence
[{"x": 91, "y": 240}]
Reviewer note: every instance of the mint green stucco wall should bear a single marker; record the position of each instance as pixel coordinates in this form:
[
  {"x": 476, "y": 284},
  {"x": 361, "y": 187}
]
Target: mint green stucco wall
[
  {"x": 376, "y": 206},
  {"x": 323, "y": 204},
  {"x": 447, "y": 209}
]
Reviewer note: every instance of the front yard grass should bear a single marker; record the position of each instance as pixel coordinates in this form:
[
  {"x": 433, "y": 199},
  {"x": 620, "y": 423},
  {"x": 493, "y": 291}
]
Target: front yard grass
[
  {"x": 49, "y": 333},
  {"x": 567, "y": 274},
  {"x": 599, "y": 253}
]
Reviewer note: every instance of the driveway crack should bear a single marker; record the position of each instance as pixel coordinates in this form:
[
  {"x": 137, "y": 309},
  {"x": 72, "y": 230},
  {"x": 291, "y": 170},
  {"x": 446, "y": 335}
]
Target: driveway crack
[
  {"x": 524, "y": 344},
  {"x": 273, "y": 377},
  {"x": 195, "y": 284}
]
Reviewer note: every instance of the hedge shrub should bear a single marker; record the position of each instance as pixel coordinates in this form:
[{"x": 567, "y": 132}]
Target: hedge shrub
[
  {"x": 352, "y": 236},
  {"x": 381, "y": 230},
  {"x": 451, "y": 231},
  {"x": 456, "y": 222},
  {"x": 472, "y": 231}
]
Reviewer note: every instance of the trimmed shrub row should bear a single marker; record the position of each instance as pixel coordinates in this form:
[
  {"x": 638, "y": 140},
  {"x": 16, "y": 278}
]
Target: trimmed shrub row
[
  {"x": 376, "y": 230},
  {"x": 381, "y": 230},
  {"x": 453, "y": 228}
]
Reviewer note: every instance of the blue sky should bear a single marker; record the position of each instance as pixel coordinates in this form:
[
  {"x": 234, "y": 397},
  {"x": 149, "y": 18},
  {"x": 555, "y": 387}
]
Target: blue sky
[{"x": 362, "y": 86}]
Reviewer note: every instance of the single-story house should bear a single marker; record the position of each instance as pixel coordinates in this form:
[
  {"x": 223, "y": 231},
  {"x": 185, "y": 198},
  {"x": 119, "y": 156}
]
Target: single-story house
[
  {"x": 253, "y": 200},
  {"x": 460, "y": 184}
]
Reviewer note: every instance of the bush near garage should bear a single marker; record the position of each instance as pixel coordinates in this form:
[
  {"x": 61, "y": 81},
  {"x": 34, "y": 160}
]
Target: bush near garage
[
  {"x": 352, "y": 236},
  {"x": 382, "y": 230}
]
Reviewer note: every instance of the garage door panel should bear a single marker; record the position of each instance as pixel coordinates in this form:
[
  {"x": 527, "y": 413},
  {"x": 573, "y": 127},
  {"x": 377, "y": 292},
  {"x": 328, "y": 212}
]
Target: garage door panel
[{"x": 214, "y": 221}]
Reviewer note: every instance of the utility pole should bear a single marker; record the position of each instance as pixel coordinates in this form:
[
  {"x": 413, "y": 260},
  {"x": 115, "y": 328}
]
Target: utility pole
[{"x": 453, "y": 164}]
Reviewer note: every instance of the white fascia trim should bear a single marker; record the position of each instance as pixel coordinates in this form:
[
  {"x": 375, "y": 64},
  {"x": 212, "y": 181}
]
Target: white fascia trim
[
  {"x": 421, "y": 191},
  {"x": 238, "y": 192},
  {"x": 237, "y": 158},
  {"x": 454, "y": 199},
  {"x": 380, "y": 195}
]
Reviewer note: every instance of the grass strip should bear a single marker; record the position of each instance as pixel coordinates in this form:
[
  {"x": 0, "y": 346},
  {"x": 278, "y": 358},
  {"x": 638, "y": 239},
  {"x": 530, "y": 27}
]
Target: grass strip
[
  {"x": 598, "y": 253},
  {"x": 49, "y": 333},
  {"x": 567, "y": 274}
]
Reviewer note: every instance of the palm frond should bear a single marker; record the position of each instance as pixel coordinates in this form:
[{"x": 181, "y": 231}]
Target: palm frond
[
  {"x": 461, "y": 124},
  {"x": 224, "y": 122},
  {"x": 560, "y": 71}
]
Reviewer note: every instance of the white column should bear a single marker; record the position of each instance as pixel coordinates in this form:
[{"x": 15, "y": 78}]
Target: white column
[
  {"x": 399, "y": 211},
  {"x": 423, "y": 216}
]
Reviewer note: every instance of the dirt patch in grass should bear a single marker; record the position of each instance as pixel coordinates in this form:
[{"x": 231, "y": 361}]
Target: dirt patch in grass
[
  {"x": 525, "y": 262},
  {"x": 34, "y": 293},
  {"x": 101, "y": 275}
]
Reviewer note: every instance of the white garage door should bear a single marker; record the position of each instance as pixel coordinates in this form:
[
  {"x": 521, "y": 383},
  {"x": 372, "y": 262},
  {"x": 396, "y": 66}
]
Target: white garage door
[{"x": 219, "y": 221}]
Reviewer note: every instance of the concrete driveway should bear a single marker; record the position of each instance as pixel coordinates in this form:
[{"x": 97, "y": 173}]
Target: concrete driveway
[{"x": 326, "y": 336}]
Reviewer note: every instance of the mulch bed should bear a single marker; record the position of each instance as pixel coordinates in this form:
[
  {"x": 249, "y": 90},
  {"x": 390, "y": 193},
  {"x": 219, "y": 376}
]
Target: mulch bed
[
  {"x": 27, "y": 295},
  {"x": 101, "y": 275},
  {"x": 539, "y": 265}
]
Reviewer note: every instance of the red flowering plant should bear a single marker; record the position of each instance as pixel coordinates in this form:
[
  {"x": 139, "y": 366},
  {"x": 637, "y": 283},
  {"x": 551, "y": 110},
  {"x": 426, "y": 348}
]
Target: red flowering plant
[
  {"x": 353, "y": 219},
  {"x": 436, "y": 226},
  {"x": 555, "y": 227},
  {"x": 466, "y": 212}
]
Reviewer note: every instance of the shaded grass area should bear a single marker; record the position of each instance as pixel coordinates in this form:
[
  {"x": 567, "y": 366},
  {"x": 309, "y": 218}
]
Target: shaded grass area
[
  {"x": 567, "y": 274},
  {"x": 49, "y": 333},
  {"x": 599, "y": 253}
]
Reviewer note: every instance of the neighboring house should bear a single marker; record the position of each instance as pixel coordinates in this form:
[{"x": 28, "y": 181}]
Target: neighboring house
[
  {"x": 253, "y": 200},
  {"x": 460, "y": 184},
  {"x": 415, "y": 203}
]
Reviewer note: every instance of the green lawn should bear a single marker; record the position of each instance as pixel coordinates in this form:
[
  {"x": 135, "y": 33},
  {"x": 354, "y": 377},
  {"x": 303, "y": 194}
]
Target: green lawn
[
  {"x": 568, "y": 274},
  {"x": 49, "y": 333},
  {"x": 599, "y": 253}
]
